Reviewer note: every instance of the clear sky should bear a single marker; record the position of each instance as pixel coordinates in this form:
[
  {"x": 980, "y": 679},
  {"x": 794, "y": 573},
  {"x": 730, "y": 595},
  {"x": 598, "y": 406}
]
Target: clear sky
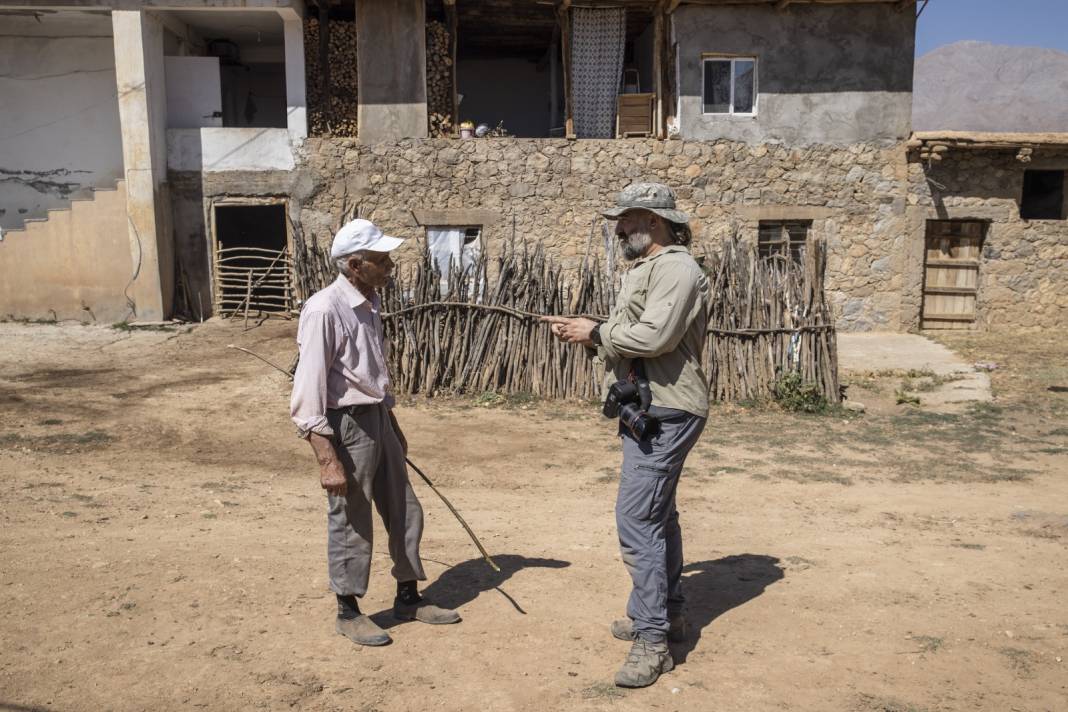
[{"x": 1034, "y": 23}]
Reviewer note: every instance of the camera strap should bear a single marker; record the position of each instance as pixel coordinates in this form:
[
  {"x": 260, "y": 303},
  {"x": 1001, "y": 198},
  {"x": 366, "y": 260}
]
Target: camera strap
[{"x": 637, "y": 377}]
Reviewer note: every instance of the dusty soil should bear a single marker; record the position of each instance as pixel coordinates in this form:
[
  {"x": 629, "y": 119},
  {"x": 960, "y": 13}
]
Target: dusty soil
[{"x": 163, "y": 542}]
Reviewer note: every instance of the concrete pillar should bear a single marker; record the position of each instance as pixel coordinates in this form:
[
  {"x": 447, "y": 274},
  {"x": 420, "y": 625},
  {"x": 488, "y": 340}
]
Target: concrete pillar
[
  {"x": 296, "y": 102},
  {"x": 139, "y": 76},
  {"x": 391, "y": 53}
]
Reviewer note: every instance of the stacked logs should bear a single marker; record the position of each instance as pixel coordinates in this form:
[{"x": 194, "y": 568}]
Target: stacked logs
[
  {"x": 439, "y": 79},
  {"x": 338, "y": 118}
]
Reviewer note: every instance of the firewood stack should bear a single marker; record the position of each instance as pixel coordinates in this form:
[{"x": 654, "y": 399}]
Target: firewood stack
[
  {"x": 341, "y": 119},
  {"x": 438, "y": 80}
]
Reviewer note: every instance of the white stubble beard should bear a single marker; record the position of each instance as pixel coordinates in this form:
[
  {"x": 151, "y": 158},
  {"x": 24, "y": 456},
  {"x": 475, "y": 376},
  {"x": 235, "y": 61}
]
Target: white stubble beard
[{"x": 636, "y": 244}]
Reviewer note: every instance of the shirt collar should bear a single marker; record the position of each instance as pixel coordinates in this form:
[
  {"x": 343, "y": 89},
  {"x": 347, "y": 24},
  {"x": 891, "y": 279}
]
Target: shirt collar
[
  {"x": 662, "y": 251},
  {"x": 353, "y": 296}
]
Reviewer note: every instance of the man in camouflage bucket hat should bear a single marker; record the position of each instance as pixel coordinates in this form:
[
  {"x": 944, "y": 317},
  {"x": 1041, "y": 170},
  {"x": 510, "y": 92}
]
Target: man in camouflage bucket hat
[{"x": 659, "y": 322}]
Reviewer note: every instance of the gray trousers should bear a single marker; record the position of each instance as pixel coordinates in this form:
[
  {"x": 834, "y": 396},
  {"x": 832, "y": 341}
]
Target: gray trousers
[
  {"x": 373, "y": 458},
  {"x": 648, "y": 522}
]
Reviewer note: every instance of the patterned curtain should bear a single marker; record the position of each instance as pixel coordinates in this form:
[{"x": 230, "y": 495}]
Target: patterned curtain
[{"x": 598, "y": 39}]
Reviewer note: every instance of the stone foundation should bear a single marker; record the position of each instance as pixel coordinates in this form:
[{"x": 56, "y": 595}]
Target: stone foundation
[
  {"x": 551, "y": 190},
  {"x": 868, "y": 202}
]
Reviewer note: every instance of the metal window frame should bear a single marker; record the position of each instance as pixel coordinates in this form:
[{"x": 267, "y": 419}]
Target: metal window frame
[{"x": 732, "y": 58}]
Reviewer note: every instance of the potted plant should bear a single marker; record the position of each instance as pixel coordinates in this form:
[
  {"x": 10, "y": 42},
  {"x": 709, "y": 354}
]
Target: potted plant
[{"x": 467, "y": 129}]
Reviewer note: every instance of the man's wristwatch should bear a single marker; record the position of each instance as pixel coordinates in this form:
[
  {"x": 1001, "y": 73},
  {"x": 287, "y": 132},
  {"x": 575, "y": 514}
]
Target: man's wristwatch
[{"x": 595, "y": 335}]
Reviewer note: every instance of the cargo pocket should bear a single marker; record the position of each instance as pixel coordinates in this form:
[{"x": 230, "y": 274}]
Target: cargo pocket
[{"x": 642, "y": 492}]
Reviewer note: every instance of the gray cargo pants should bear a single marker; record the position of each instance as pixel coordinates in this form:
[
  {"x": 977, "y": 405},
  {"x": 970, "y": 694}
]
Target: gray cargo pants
[
  {"x": 648, "y": 522},
  {"x": 373, "y": 459}
]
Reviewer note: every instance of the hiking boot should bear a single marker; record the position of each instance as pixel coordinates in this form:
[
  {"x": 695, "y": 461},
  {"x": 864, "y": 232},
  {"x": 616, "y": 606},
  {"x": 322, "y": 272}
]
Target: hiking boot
[
  {"x": 624, "y": 629},
  {"x": 362, "y": 630},
  {"x": 425, "y": 612},
  {"x": 645, "y": 663}
]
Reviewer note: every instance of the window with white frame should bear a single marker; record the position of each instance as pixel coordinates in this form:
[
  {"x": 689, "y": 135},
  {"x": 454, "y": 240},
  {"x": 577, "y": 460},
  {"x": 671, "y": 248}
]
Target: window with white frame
[{"x": 729, "y": 86}]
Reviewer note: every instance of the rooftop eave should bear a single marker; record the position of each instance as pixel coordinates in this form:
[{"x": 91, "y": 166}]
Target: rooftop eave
[
  {"x": 932, "y": 146},
  {"x": 986, "y": 139}
]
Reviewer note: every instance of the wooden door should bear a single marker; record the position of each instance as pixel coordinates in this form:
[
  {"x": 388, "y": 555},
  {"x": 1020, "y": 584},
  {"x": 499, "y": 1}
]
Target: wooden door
[{"x": 951, "y": 273}]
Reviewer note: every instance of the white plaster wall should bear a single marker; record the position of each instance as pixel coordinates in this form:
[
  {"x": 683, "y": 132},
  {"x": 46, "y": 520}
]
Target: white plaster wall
[
  {"x": 59, "y": 115},
  {"x": 214, "y": 150}
]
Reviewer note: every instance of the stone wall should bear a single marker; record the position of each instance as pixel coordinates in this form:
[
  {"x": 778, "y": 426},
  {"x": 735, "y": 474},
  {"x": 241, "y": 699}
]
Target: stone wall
[
  {"x": 551, "y": 191},
  {"x": 1023, "y": 273},
  {"x": 869, "y": 203}
]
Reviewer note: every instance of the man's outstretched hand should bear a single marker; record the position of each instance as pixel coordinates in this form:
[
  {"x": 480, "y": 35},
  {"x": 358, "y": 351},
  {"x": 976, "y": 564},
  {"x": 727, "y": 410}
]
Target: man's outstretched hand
[{"x": 571, "y": 330}]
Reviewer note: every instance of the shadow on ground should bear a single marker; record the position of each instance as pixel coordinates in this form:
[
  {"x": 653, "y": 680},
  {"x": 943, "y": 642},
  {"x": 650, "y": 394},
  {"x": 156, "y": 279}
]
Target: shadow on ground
[
  {"x": 714, "y": 587},
  {"x": 464, "y": 582}
]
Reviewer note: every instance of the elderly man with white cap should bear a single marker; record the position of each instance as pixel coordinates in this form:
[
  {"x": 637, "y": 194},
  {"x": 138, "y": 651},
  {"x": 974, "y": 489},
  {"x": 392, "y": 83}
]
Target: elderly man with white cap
[{"x": 342, "y": 405}]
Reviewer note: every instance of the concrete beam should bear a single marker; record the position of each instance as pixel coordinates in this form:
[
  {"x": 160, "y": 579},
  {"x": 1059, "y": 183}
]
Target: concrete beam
[
  {"x": 139, "y": 77},
  {"x": 391, "y": 53},
  {"x": 275, "y": 5},
  {"x": 296, "y": 93}
]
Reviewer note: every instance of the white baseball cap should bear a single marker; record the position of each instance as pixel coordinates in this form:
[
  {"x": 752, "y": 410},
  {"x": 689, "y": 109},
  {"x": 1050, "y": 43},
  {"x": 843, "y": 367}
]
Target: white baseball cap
[{"x": 362, "y": 235}]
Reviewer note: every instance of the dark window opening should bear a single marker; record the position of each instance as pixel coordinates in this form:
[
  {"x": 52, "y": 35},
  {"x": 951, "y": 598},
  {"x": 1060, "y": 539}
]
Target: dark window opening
[
  {"x": 786, "y": 239},
  {"x": 252, "y": 259},
  {"x": 1043, "y": 195},
  {"x": 510, "y": 74},
  {"x": 225, "y": 69},
  {"x": 509, "y": 71}
]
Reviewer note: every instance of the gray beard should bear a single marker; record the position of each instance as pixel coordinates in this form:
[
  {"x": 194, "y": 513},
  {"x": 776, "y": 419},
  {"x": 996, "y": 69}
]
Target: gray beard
[{"x": 636, "y": 244}]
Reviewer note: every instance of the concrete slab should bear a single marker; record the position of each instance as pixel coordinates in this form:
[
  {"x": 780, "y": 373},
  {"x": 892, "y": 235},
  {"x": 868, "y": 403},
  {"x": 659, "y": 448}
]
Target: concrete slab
[{"x": 873, "y": 352}]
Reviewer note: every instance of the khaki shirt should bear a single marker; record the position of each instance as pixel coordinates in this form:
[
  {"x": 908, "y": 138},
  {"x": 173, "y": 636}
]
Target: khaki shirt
[{"x": 661, "y": 316}]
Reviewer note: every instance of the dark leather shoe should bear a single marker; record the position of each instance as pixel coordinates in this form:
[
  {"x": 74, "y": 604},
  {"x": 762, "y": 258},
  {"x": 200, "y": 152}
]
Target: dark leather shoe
[
  {"x": 362, "y": 630},
  {"x": 425, "y": 612}
]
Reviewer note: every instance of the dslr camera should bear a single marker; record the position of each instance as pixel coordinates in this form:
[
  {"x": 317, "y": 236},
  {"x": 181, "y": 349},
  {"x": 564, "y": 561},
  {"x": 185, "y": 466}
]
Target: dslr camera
[{"x": 629, "y": 399}]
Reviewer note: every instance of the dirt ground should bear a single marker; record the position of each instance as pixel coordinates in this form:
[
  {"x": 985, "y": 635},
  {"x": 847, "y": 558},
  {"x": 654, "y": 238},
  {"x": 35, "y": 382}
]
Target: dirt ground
[{"x": 163, "y": 544}]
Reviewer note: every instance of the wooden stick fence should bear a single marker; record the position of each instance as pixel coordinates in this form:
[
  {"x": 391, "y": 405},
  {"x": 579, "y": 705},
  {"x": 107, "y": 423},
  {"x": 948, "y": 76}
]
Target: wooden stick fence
[
  {"x": 769, "y": 317},
  {"x": 476, "y": 331},
  {"x": 252, "y": 279}
]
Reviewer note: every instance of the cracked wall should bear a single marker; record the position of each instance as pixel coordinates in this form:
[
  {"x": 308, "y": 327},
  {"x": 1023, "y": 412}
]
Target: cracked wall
[{"x": 59, "y": 122}]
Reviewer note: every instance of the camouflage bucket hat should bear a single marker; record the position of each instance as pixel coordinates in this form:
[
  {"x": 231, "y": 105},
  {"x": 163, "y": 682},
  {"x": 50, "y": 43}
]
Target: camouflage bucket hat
[{"x": 654, "y": 197}]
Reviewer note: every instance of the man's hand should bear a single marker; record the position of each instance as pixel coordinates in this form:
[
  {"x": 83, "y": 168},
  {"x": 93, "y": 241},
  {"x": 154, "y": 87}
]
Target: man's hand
[
  {"x": 332, "y": 477},
  {"x": 331, "y": 472},
  {"x": 571, "y": 330}
]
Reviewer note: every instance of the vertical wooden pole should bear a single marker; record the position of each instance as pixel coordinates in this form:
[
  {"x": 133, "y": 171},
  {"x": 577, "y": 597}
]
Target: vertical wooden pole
[
  {"x": 671, "y": 67},
  {"x": 658, "y": 69},
  {"x": 454, "y": 40},
  {"x": 324, "y": 62},
  {"x": 563, "y": 18}
]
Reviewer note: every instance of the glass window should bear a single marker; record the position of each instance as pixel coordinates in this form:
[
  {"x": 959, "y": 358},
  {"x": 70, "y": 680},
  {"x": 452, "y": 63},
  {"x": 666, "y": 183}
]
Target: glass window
[
  {"x": 730, "y": 86},
  {"x": 717, "y": 86}
]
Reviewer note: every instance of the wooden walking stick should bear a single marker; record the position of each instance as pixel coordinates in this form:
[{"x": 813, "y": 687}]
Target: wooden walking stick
[{"x": 485, "y": 554}]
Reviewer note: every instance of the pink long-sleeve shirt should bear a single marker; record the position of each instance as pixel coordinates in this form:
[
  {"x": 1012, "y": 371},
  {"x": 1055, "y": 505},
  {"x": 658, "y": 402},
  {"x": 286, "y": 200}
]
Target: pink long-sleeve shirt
[{"x": 343, "y": 355}]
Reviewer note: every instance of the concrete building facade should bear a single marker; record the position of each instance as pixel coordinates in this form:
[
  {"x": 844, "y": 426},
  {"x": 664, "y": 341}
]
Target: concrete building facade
[{"x": 781, "y": 124}]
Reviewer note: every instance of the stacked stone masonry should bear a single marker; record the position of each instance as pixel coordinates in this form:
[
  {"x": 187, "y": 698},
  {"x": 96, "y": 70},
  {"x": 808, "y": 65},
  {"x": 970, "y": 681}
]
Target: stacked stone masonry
[
  {"x": 553, "y": 189},
  {"x": 1023, "y": 273},
  {"x": 868, "y": 202}
]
